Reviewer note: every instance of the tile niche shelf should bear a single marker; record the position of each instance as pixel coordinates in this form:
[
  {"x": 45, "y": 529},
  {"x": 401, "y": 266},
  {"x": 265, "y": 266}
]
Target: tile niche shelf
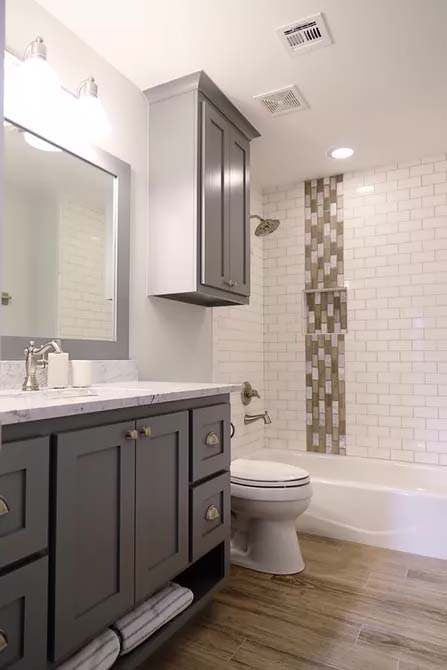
[{"x": 326, "y": 310}]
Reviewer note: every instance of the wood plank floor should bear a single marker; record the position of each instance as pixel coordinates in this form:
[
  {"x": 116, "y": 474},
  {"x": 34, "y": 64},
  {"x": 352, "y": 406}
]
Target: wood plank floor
[{"x": 354, "y": 608}]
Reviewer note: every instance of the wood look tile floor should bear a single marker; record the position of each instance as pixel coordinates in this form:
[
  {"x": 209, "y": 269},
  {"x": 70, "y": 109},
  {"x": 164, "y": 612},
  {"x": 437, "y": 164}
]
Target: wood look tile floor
[{"x": 353, "y": 608}]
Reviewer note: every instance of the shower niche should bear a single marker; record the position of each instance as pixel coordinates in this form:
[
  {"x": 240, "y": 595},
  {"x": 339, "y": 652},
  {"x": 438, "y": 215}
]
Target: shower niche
[{"x": 326, "y": 311}]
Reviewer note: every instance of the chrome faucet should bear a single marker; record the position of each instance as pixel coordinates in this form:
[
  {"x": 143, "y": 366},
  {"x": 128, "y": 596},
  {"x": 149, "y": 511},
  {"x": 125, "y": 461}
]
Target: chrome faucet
[
  {"x": 251, "y": 418},
  {"x": 34, "y": 358}
]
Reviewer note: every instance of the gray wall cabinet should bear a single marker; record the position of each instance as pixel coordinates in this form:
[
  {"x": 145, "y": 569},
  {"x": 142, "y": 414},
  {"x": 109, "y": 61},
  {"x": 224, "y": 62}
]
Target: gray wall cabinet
[
  {"x": 199, "y": 181},
  {"x": 102, "y": 510}
]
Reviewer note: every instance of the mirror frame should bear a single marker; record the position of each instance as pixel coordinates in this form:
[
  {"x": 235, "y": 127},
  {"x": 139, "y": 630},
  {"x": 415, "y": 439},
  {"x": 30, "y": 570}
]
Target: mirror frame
[{"x": 12, "y": 347}]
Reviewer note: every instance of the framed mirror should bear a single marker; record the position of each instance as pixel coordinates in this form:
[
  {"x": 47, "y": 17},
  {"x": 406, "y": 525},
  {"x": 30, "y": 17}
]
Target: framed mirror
[{"x": 65, "y": 248}]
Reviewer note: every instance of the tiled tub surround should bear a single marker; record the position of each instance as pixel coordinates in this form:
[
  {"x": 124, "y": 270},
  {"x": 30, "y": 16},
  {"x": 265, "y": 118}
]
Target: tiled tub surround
[
  {"x": 326, "y": 315},
  {"x": 396, "y": 350},
  {"x": 284, "y": 345}
]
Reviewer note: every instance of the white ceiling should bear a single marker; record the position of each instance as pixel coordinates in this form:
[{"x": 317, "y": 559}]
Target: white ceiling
[{"x": 380, "y": 88}]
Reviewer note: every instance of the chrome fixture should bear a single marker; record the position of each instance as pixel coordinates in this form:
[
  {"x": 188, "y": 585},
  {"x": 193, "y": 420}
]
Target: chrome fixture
[
  {"x": 34, "y": 358},
  {"x": 251, "y": 418},
  {"x": 248, "y": 392},
  {"x": 265, "y": 226}
]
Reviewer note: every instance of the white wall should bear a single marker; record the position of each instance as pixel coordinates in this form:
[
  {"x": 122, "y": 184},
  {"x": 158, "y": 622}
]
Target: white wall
[
  {"x": 238, "y": 347},
  {"x": 169, "y": 340}
]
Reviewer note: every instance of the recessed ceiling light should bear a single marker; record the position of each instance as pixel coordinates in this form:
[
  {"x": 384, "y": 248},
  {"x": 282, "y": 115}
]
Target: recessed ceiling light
[
  {"x": 367, "y": 188},
  {"x": 340, "y": 152}
]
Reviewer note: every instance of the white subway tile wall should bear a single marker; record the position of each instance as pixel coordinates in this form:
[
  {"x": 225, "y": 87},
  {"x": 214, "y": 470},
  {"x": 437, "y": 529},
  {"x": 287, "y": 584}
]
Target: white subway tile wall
[
  {"x": 284, "y": 344},
  {"x": 83, "y": 308},
  {"x": 238, "y": 348},
  {"x": 396, "y": 347}
]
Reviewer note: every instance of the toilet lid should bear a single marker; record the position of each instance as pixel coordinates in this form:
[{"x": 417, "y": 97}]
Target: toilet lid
[{"x": 267, "y": 474}]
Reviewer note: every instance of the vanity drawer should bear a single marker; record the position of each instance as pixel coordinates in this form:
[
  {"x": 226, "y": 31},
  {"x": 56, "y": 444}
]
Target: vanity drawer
[
  {"x": 24, "y": 490},
  {"x": 211, "y": 441},
  {"x": 210, "y": 515},
  {"x": 23, "y": 617}
]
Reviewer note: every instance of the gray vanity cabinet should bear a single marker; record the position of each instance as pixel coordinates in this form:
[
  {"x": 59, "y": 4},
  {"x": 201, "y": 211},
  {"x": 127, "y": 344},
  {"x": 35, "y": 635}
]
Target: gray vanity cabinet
[
  {"x": 23, "y": 617},
  {"x": 161, "y": 523},
  {"x": 94, "y": 532},
  {"x": 199, "y": 181},
  {"x": 24, "y": 486},
  {"x": 225, "y": 204}
]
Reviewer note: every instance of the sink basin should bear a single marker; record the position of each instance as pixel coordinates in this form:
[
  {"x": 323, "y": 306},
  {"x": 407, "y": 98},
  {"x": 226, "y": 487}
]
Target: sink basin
[{"x": 53, "y": 394}]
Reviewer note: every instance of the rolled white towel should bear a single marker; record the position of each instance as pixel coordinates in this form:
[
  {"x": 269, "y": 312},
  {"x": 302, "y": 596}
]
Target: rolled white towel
[
  {"x": 152, "y": 614},
  {"x": 100, "y": 654}
]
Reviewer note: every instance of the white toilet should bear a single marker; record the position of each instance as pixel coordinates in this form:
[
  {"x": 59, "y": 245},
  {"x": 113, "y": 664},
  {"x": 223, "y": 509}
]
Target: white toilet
[{"x": 266, "y": 499}]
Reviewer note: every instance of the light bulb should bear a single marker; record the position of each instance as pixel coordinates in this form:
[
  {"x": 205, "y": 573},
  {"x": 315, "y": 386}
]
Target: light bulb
[{"x": 92, "y": 115}]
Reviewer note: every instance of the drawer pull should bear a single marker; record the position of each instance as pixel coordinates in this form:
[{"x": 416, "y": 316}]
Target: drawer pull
[
  {"x": 211, "y": 439},
  {"x": 3, "y": 641},
  {"x": 4, "y": 507},
  {"x": 132, "y": 435},
  {"x": 145, "y": 431},
  {"x": 212, "y": 513}
]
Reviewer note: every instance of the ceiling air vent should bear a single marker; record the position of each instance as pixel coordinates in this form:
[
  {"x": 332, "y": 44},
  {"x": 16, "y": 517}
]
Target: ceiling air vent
[
  {"x": 283, "y": 101},
  {"x": 306, "y": 34}
]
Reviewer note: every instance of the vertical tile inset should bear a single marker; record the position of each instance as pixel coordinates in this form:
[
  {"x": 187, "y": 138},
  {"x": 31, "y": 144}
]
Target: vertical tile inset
[{"x": 326, "y": 307}]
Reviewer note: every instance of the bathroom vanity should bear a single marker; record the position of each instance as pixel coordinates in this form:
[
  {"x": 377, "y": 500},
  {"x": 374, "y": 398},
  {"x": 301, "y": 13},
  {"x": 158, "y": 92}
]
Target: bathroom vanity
[{"x": 103, "y": 500}]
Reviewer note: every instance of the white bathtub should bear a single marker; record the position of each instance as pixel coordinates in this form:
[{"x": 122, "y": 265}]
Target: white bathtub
[{"x": 387, "y": 504}]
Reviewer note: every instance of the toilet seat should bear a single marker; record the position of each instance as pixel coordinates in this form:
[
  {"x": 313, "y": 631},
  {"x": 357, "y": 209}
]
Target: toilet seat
[{"x": 267, "y": 474}]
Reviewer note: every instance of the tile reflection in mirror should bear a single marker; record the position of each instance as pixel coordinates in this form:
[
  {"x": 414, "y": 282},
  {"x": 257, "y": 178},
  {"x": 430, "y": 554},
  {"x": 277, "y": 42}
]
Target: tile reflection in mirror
[{"x": 58, "y": 258}]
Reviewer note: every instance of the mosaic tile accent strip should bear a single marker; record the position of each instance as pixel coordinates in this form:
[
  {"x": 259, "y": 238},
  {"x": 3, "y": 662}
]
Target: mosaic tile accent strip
[{"x": 326, "y": 316}]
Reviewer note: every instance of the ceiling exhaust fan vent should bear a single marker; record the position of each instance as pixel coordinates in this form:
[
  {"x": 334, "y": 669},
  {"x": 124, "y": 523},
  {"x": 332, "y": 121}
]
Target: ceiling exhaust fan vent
[
  {"x": 306, "y": 34},
  {"x": 282, "y": 101}
]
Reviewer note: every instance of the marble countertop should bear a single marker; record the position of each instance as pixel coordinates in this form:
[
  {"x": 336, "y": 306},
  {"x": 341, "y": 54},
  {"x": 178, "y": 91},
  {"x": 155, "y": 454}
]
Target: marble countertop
[{"x": 20, "y": 407}]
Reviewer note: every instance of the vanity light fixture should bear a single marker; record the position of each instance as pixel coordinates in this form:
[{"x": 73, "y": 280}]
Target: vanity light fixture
[
  {"x": 35, "y": 96},
  {"x": 38, "y": 77},
  {"x": 340, "y": 152},
  {"x": 92, "y": 114},
  {"x": 39, "y": 143}
]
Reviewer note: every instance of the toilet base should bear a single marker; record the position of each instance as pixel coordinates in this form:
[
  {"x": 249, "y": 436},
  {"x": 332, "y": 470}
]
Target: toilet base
[{"x": 267, "y": 546}]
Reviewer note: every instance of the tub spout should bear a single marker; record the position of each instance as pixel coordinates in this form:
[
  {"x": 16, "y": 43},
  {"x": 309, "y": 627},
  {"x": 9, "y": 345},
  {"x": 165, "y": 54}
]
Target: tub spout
[{"x": 251, "y": 418}]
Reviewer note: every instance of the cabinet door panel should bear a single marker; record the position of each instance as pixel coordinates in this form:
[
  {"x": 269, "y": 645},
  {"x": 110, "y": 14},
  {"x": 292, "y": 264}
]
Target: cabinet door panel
[
  {"x": 23, "y": 617},
  {"x": 94, "y": 534},
  {"x": 24, "y": 486},
  {"x": 239, "y": 219},
  {"x": 161, "y": 501},
  {"x": 215, "y": 198}
]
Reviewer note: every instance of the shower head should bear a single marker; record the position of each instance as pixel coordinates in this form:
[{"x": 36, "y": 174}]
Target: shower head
[{"x": 265, "y": 226}]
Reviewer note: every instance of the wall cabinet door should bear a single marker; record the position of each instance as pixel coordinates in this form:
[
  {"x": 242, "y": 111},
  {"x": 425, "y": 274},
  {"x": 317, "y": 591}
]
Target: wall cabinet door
[
  {"x": 239, "y": 212},
  {"x": 161, "y": 548},
  {"x": 225, "y": 204},
  {"x": 94, "y": 532},
  {"x": 215, "y": 198}
]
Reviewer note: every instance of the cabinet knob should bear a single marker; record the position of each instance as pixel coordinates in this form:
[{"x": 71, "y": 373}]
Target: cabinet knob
[
  {"x": 132, "y": 435},
  {"x": 4, "y": 507},
  {"x": 145, "y": 431},
  {"x": 212, "y": 513},
  {"x": 3, "y": 641},
  {"x": 230, "y": 282},
  {"x": 211, "y": 439}
]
